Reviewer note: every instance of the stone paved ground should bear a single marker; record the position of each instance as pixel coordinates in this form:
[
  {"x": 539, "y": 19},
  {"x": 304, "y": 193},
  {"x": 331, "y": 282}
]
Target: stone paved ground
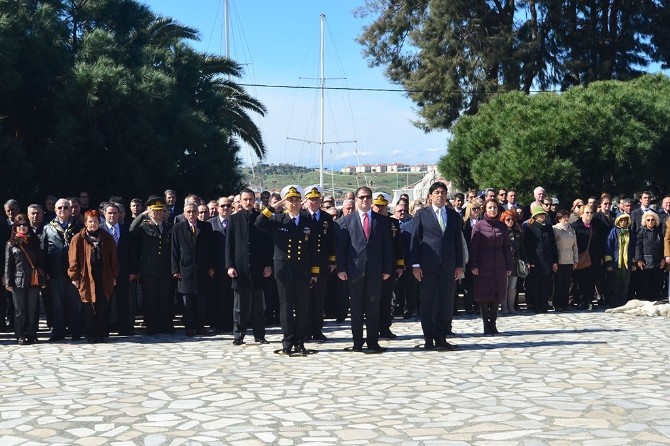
[{"x": 555, "y": 379}]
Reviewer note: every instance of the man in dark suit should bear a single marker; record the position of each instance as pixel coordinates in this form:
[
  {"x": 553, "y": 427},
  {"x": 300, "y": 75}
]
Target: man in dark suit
[
  {"x": 436, "y": 255},
  {"x": 193, "y": 261},
  {"x": 248, "y": 261},
  {"x": 295, "y": 265},
  {"x": 153, "y": 235},
  {"x": 380, "y": 201},
  {"x": 321, "y": 225},
  {"x": 364, "y": 259},
  {"x": 171, "y": 205},
  {"x": 120, "y": 301},
  {"x": 220, "y": 301}
]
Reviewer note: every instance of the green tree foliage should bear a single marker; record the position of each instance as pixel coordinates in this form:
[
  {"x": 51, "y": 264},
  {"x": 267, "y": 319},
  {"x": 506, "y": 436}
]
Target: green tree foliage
[
  {"x": 454, "y": 55},
  {"x": 611, "y": 136},
  {"x": 105, "y": 96}
]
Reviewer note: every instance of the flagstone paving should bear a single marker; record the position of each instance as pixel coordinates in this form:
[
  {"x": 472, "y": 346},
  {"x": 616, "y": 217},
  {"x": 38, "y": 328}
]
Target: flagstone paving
[{"x": 553, "y": 379}]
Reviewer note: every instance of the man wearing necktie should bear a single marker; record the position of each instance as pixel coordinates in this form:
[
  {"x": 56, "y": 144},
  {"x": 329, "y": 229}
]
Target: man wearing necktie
[
  {"x": 122, "y": 318},
  {"x": 436, "y": 255},
  {"x": 220, "y": 299},
  {"x": 321, "y": 225},
  {"x": 295, "y": 265},
  {"x": 364, "y": 259},
  {"x": 193, "y": 262}
]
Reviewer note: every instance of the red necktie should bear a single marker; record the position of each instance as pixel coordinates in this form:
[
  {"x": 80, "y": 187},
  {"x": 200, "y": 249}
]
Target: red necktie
[{"x": 366, "y": 226}]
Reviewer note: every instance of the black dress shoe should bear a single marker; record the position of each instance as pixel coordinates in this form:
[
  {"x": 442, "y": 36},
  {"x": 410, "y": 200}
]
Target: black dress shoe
[
  {"x": 238, "y": 342},
  {"x": 320, "y": 337},
  {"x": 429, "y": 345},
  {"x": 286, "y": 350},
  {"x": 376, "y": 348},
  {"x": 357, "y": 348},
  {"x": 56, "y": 338},
  {"x": 442, "y": 344},
  {"x": 300, "y": 349},
  {"x": 22, "y": 341},
  {"x": 388, "y": 334},
  {"x": 261, "y": 340}
]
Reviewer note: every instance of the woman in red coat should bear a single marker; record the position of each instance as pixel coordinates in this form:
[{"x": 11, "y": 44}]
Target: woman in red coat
[{"x": 491, "y": 263}]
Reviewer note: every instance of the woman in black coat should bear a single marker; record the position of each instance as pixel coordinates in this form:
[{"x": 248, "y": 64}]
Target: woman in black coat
[
  {"x": 649, "y": 256},
  {"x": 590, "y": 236},
  {"x": 540, "y": 248},
  {"x": 22, "y": 252}
]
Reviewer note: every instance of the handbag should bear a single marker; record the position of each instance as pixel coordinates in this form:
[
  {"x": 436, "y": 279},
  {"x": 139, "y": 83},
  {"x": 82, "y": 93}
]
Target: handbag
[
  {"x": 37, "y": 277},
  {"x": 584, "y": 259},
  {"x": 522, "y": 269}
]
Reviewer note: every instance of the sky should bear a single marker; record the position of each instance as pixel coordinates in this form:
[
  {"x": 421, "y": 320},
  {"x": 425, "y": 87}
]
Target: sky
[{"x": 278, "y": 43}]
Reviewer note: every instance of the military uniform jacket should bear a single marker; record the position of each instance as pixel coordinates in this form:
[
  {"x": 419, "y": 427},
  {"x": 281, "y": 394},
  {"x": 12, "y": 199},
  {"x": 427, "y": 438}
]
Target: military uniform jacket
[
  {"x": 248, "y": 250},
  {"x": 294, "y": 245},
  {"x": 152, "y": 247},
  {"x": 323, "y": 230},
  {"x": 397, "y": 244}
]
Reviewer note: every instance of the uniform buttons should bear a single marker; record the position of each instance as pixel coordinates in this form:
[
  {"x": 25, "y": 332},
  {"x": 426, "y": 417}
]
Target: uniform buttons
[{"x": 288, "y": 257}]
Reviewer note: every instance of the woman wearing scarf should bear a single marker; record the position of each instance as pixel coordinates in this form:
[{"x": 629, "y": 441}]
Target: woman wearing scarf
[
  {"x": 93, "y": 270},
  {"x": 22, "y": 252},
  {"x": 590, "y": 238},
  {"x": 518, "y": 254},
  {"x": 619, "y": 255},
  {"x": 540, "y": 248},
  {"x": 491, "y": 264}
]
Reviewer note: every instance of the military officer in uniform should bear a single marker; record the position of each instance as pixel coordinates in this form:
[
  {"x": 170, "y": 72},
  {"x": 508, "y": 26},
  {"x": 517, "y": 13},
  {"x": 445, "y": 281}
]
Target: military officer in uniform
[
  {"x": 323, "y": 233},
  {"x": 153, "y": 235},
  {"x": 295, "y": 265},
  {"x": 380, "y": 201}
]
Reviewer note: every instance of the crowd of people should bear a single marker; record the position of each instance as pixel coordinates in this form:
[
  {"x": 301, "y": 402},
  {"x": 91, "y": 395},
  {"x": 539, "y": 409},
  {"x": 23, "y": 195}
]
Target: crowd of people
[{"x": 294, "y": 258}]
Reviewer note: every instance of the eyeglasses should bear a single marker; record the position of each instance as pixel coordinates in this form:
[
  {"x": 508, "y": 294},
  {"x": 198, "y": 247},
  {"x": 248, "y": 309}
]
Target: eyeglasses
[
  {"x": 60, "y": 208},
  {"x": 508, "y": 219},
  {"x": 400, "y": 210},
  {"x": 546, "y": 204},
  {"x": 364, "y": 197},
  {"x": 649, "y": 219},
  {"x": 588, "y": 213},
  {"x": 475, "y": 209},
  {"x": 225, "y": 205},
  {"x": 579, "y": 205},
  {"x": 18, "y": 225}
]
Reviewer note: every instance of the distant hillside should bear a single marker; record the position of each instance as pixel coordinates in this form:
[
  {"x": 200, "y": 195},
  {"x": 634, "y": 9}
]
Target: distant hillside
[{"x": 274, "y": 177}]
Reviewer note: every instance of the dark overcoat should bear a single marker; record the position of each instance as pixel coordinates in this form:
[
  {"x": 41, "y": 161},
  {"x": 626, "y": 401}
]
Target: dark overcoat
[{"x": 193, "y": 256}]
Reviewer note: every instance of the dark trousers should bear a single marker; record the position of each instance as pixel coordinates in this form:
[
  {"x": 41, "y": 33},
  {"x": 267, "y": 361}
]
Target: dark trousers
[
  {"x": 539, "y": 288},
  {"x": 620, "y": 278},
  {"x": 195, "y": 311},
  {"x": 293, "y": 309},
  {"x": 586, "y": 281},
  {"x": 66, "y": 306},
  {"x": 95, "y": 317},
  {"x": 437, "y": 303},
  {"x": 316, "y": 301},
  {"x": 341, "y": 299},
  {"x": 365, "y": 294},
  {"x": 271, "y": 298},
  {"x": 248, "y": 308},
  {"x": 386, "y": 304},
  {"x": 651, "y": 284},
  {"x": 158, "y": 303},
  {"x": 562, "y": 281},
  {"x": 125, "y": 320},
  {"x": 25, "y": 305},
  {"x": 220, "y": 303}
]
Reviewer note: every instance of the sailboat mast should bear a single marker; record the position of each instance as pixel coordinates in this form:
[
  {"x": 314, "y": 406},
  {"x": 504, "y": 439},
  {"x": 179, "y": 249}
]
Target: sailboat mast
[
  {"x": 323, "y": 85},
  {"x": 226, "y": 19}
]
